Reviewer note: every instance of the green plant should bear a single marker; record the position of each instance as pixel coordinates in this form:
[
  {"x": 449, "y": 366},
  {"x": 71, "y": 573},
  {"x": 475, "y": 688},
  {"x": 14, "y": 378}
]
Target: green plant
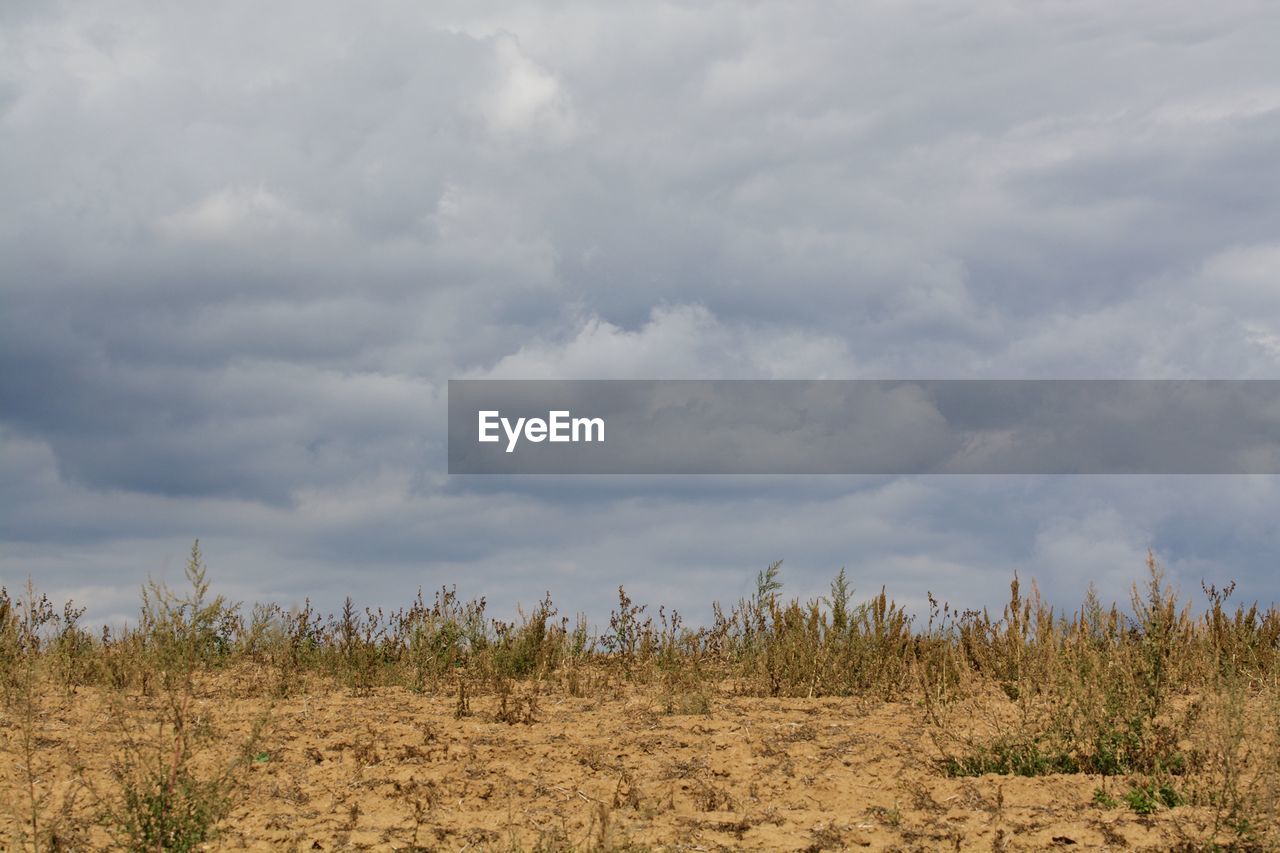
[
  {"x": 182, "y": 633},
  {"x": 162, "y": 799},
  {"x": 21, "y": 622},
  {"x": 1148, "y": 797},
  {"x": 625, "y": 631},
  {"x": 163, "y": 805},
  {"x": 162, "y": 802}
]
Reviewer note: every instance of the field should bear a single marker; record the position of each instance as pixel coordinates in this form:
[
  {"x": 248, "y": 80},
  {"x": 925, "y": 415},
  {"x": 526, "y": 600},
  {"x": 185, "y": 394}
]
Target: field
[{"x": 783, "y": 725}]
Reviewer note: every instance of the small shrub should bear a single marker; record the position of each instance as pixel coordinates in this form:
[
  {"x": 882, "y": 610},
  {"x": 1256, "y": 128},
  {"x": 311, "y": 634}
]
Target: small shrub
[{"x": 1147, "y": 798}]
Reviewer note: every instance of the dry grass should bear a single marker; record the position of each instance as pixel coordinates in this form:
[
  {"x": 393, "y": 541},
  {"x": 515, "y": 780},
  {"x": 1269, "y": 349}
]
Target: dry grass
[{"x": 783, "y": 724}]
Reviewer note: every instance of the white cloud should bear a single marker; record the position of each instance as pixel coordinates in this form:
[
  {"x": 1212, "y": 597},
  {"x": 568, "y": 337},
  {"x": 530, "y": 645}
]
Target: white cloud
[
  {"x": 238, "y": 214},
  {"x": 1246, "y": 272},
  {"x": 527, "y": 98},
  {"x": 1092, "y": 544},
  {"x": 679, "y": 342}
]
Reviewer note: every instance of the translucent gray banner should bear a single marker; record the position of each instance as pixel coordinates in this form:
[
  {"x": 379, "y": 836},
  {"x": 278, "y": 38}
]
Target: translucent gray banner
[{"x": 864, "y": 427}]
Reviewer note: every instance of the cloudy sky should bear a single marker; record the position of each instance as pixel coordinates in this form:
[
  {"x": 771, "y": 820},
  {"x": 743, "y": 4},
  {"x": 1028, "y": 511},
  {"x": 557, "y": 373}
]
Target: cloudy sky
[{"x": 244, "y": 248}]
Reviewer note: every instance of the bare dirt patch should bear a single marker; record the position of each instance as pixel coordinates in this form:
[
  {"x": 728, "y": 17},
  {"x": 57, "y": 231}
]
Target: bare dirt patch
[{"x": 398, "y": 770}]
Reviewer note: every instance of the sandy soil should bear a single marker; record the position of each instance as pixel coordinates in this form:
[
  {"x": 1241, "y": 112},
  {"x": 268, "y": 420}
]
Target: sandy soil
[{"x": 395, "y": 770}]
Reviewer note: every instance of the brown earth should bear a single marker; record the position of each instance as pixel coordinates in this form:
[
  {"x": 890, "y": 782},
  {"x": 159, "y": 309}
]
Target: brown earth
[{"x": 625, "y": 769}]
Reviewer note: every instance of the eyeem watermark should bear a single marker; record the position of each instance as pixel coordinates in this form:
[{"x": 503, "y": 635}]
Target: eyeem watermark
[
  {"x": 558, "y": 426},
  {"x": 877, "y": 427}
]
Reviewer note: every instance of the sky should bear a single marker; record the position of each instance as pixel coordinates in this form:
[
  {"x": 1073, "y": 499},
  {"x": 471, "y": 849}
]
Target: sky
[{"x": 244, "y": 247}]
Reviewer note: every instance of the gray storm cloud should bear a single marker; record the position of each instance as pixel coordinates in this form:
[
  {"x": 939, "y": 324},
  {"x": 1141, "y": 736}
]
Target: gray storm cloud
[{"x": 245, "y": 248}]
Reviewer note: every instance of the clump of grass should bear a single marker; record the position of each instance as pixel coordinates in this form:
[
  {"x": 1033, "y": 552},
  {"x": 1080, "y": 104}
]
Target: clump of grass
[
  {"x": 1148, "y": 797},
  {"x": 795, "y": 648},
  {"x": 687, "y": 702},
  {"x": 517, "y": 706},
  {"x": 162, "y": 799},
  {"x": 186, "y": 634},
  {"x": 1104, "y": 800},
  {"x": 37, "y": 645},
  {"x": 21, "y": 621},
  {"x": 1143, "y": 797},
  {"x": 1090, "y": 694},
  {"x": 1011, "y": 758},
  {"x": 162, "y": 803}
]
